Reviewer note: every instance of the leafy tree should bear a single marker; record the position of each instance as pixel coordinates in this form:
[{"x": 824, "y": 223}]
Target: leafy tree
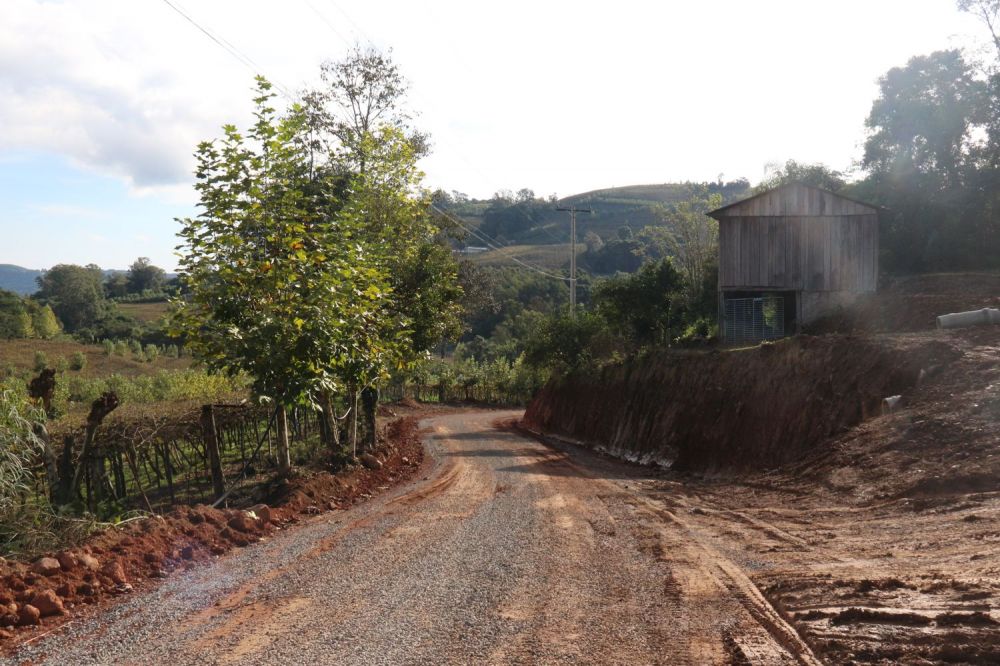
[
  {"x": 116, "y": 285},
  {"x": 817, "y": 175},
  {"x": 922, "y": 122},
  {"x": 276, "y": 287},
  {"x": 644, "y": 307},
  {"x": 929, "y": 164},
  {"x": 144, "y": 276},
  {"x": 564, "y": 343},
  {"x": 694, "y": 242},
  {"x": 75, "y": 293},
  {"x": 43, "y": 320},
  {"x": 15, "y": 321},
  {"x": 363, "y": 92}
]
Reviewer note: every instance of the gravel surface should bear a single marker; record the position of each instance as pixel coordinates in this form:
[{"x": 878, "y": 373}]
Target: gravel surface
[{"x": 506, "y": 552}]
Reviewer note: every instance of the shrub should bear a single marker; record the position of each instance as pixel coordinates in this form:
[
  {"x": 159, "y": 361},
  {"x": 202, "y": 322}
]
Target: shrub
[
  {"x": 135, "y": 346},
  {"x": 62, "y": 365},
  {"x": 121, "y": 347},
  {"x": 109, "y": 347},
  {"x": 78, "y": 362},
  {"x": 173, "y": 352},
  {"x": 41, "y": 361},
  {"x": 152, "y": 351}
]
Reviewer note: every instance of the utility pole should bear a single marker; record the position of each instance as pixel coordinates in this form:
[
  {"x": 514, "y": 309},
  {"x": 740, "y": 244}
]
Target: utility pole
[{"x": 572, "y": 254}]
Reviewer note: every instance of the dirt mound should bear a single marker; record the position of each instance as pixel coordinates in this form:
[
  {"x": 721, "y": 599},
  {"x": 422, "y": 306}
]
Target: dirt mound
[
  {"x": 112, "y": 562},
  {"x": 913, "y": 303},
  {"x": 940, "y": 446},
  {"x": 747, "y": 409}
]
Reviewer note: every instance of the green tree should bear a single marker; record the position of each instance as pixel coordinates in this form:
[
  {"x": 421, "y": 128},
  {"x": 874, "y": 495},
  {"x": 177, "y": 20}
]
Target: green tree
[
  {"x": 645, "y": 307},
  {"x": 43, "y": 320},
  {"x": 694, "y": 243},
  {"x": 144, "y": 276},
  {"x": 15, "y": 321},
  {"x": 279, "y": 286},
  {"x": 817, "y": 175},
  {"x": 75, "y": 293},
  {"x": 564, "y": 343},
  {"x": 929, "y": 164},
  {"x": 116, "y": 285}
]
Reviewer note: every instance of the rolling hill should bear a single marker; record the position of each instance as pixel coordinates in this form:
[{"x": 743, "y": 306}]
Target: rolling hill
[{"x": 18, "y": 279}]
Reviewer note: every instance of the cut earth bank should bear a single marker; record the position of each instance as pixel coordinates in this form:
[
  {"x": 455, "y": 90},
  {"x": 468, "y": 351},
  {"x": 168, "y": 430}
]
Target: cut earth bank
[{"x": 875, "y": 533}]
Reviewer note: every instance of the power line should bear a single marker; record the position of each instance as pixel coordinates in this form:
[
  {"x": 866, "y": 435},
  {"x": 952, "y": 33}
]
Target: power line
[
  {"x": 492, "y": 244},
  {"x": 327, "y": 21},
  {"x": 241, "y": 57}
]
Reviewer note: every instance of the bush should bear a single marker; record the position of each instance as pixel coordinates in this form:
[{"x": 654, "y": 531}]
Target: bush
[
  {"x": 41, "y": 361},
  {"x": 109, "y": 347},
  {"x": 62, "y": 365},
  {"x": 173, "y": 352},
  {"x": 121, "y": 347},
  {"x": 152, "y": 352},
  {"x": 78, "y": 362},
  {"x": 19, "y": 447}
]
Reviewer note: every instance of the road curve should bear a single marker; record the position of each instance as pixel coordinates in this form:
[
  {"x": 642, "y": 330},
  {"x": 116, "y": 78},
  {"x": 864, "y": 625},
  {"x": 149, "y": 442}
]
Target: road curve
[{"x": 507, "y": 551}]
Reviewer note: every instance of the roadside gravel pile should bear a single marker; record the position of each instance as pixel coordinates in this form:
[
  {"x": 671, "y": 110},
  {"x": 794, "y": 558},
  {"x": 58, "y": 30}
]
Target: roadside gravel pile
[{"x": 40, "y": 594}]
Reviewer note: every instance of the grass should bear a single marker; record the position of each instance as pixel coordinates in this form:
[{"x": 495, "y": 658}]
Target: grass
[
  {"x": 19, "y": 356},
  {"x": 145, "y": 312},
  {"x": 550, "y": 257}
]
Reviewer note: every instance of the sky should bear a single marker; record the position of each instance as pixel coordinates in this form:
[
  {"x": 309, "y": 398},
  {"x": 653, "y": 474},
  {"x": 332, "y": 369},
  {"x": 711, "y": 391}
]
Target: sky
[{"x": 102, "y": 102}]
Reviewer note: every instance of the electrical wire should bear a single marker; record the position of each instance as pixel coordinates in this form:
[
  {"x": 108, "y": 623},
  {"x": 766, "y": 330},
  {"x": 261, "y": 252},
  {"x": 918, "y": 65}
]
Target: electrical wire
[
  {"x": 492, "y": 244},
  {"x": 225, "y": 45}
]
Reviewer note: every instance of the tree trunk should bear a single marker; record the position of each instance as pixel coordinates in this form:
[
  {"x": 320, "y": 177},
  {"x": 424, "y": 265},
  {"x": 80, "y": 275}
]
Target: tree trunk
[
  {"x": 329, "y": 431},
  {"x": 51, "y": 464},
  {"x": 369, "y": 398},
  {"x": 352, "y": 422},
  {"x": 211, "y": 438},
  {"x": 284, "y": 458}
]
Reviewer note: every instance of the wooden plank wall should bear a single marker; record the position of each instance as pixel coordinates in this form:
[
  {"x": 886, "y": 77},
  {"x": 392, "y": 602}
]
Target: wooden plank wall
[
  {"x": 797, "y": 199},
  {"x": 811, "y": 253}
]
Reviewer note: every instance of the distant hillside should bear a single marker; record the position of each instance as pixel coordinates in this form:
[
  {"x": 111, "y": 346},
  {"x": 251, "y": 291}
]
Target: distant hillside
[
  {"x": 19, "y": 280},
  {"x": 533, "y": 229}
]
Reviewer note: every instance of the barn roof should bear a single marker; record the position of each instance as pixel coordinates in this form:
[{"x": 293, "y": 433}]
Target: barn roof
[{"x": 796, "y": 199}]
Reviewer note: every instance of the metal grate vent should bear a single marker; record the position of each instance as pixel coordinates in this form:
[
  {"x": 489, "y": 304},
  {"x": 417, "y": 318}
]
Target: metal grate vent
[{"x": 754, "y": 319}]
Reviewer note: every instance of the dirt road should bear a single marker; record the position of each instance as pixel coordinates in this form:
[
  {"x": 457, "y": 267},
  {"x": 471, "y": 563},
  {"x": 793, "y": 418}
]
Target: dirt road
[{"x": 504, "y": 551}]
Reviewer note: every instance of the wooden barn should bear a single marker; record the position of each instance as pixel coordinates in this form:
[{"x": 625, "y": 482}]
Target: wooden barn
[{"x": 789, "y": 256}]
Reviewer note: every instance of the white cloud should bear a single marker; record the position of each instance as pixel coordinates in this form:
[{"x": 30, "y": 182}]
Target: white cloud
[{"x": 97, "y": 82}]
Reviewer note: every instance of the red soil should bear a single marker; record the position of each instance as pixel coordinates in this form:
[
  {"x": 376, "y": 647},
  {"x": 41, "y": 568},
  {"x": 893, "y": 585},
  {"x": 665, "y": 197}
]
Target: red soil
[{"x": 110, "y": 563}]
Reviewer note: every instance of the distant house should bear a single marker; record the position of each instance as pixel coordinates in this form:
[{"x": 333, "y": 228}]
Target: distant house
[{"x": 789, "y": 256}]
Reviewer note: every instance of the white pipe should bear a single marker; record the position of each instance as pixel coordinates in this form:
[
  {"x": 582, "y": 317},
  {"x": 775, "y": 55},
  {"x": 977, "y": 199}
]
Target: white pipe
[
  {"x": 970, "y": 318},
  {"x": 890, "y": 404}
]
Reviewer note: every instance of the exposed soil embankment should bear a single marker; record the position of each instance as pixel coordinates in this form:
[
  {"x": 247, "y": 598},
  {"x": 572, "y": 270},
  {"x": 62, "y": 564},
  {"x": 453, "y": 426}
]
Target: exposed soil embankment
[{"x": 739, "y": 409}]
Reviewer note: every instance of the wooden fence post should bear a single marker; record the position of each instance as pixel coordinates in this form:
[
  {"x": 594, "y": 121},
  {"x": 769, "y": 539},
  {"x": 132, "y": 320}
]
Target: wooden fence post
[
  {"x": 211, "y": 438},
  {"x": 284, "y": 460}
]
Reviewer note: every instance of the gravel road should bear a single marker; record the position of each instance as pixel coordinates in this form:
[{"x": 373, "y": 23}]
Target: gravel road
[{"x": 506, "y": 551}]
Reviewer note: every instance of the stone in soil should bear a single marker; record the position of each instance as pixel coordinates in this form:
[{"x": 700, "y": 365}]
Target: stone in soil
[
  {"x": 263, "y": 512},
  {"x": 88, "y": 561},
  {"x": 370, "y": 461},
  {"x": 242, "y": 522},
  {"x": 28, "y": 615},
  {"x": 46, "y": 566},
  {"x": 115, "y": 572},
  {"x": 67, "y": 561},
  {"x": 48, "y": 603}
]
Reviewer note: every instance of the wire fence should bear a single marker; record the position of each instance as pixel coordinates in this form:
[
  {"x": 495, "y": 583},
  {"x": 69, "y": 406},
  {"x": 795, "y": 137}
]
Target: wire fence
[{"x": 754, "y": 319}]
